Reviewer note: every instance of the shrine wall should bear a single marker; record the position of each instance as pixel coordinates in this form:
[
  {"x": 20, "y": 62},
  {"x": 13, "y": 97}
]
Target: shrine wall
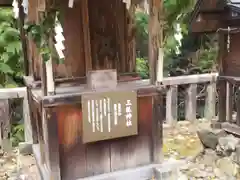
[
  {"x": 112, "y": 39},
  {"x": 79, "y": 160},
  {"x": 231, "y": 65}
]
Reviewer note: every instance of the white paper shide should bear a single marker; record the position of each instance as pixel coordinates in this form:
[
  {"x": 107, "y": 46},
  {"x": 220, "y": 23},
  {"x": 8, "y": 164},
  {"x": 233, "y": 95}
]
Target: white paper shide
[
  {"x": 59, "y": 38},
  {"x": 15, "y": 9}
]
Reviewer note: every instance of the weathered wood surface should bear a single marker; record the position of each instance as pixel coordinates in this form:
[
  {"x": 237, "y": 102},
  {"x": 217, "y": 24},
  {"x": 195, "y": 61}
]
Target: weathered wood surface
[
  {"x": 172, "y": 105},
  {"x": 17, "y": 93},
  {"x": 229, "y": 102},
  {"x": 210, "y": 102},
  {"x": 191, "y": 103},
  {"x": 5, "y": 125},
  {"x": 79, "y": 160},
  {"x": 190, "y": 79}
]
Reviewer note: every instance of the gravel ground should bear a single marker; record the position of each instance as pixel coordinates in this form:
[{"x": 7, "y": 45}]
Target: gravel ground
[{"x": 180, "y": 143}]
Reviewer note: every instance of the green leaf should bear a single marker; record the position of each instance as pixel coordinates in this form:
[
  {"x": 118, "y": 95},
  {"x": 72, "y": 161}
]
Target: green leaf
[{"x": 4, "y": 68}]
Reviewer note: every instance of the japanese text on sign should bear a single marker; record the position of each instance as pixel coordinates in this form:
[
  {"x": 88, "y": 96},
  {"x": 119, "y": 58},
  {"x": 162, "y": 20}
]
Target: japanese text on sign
[{"x": 109, "y": 115}]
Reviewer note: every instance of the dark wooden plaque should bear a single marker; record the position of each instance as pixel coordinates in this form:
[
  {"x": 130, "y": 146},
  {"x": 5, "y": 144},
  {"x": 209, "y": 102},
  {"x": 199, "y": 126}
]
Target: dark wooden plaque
[{"x": 109, "y": 115}]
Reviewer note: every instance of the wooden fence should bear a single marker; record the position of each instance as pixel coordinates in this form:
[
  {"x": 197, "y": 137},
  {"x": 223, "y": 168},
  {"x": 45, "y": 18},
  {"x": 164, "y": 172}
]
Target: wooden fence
[
  {"x": 5, "y": 124},
  {"x": 171, "y": 85}
]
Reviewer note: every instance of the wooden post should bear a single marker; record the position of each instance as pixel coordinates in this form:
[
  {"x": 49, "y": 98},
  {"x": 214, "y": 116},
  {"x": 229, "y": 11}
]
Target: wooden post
[
  {"x": 23, "y": 38},
  {"x": 229, "y": 102},
  {"x": 191, "y": 103},
  {"x": 171, "y": 105},
  {"x": 157, "y": 131},
  {"x": 50, "y": 78},
  {"x": 155, "y": 8},
  {"x": 222, "y": 83},
  {"x": 238, "y": 106},
  {"x": 222, "y": 101},
  {"x": 52, "y": 144},
  {"x": 210, "y": 104},
  {"x": 5, "y": 125},
  {"x": 86, "y": 32},
  {"x": 155, "y": 37},
  {"x": 27, "y": 121}
]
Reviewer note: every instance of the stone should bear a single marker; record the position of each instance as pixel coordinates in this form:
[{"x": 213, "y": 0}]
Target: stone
[
  {"x": 227, "y": 166},
  {"x": 25, "y": 148},
  {"x": 228, "y": 143},
  {"x": 209, "y": 157},
  {"x": 209, "y": 138},
  {"x": 236, "y": 155}
]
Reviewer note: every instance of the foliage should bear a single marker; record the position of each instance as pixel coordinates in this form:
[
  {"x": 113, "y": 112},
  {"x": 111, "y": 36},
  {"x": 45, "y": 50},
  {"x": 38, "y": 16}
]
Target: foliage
[
  {"x": 41, "y": 33},
  {"x": 11, "y": 66},
  {"x": 11, "y": 59},
  {"x": 142, "y": 68}
]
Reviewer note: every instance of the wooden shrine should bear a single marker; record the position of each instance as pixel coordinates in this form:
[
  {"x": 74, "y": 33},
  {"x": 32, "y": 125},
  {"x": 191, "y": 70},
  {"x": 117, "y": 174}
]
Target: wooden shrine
[
  {"x": 92, "y": 115},
  {"x": 223, "y": 18}
]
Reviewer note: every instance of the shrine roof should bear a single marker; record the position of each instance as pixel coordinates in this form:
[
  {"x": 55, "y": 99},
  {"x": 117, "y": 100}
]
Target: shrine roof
[{"x": 234, "y": 5}]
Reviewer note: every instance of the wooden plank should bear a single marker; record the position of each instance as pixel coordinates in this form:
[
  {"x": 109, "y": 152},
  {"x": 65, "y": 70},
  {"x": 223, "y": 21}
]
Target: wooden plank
[
  {"x": 210, "y": 103},
  {"x": 40, "y": 137},
  {"x": 32, "y": 114},
  {"x": 222, "y": 101},
  {"x": 231, "y": 128},
  {"x": 71, "y": 98},
  {"x": 44, "y": 173},
  {"x": 190, "y": 79},
  {"x": 98, "y": 158},
  {"x": 238, "y": 106},
  {"x": 10, "y": 93},
  {"x": 52, "y": 145},
  {"x": 125, "y": 152},
  {"x": 191, "y": 103},
  {"x": 27, "y": 121},
  {"x": 5, "y": 126},
  {"x": 172, "y": 105},
  {"x": 5, "y": 3},
  {"x": 86, "y": 35},
  {"x": 229, "y": 102},
  {"x": 157, "y": 128},
  {"x": 72, "y": 152}
]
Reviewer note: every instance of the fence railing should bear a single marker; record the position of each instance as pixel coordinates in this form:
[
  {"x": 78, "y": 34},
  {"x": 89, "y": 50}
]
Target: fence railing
[
  {"x": 171, "y": 84},
  {"x": 191, "y": 83},
  {"x": 5, "y": 117}
]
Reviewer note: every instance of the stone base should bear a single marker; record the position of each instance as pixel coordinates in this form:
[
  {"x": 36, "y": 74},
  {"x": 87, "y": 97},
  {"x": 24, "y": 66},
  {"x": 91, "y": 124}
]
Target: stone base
[{"x": 25, "y": 148}]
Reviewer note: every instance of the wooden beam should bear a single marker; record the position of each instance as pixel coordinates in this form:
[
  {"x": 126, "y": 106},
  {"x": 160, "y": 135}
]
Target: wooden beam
[
  {"x": 23, "y": 38},
  {"x": 231, "y": 128},
  {"x": 86, "y": 35},
  {"x": 10, "y": 93},
  {"x": 189, "y": 79},
  {"x": 6, "y": 3}
]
